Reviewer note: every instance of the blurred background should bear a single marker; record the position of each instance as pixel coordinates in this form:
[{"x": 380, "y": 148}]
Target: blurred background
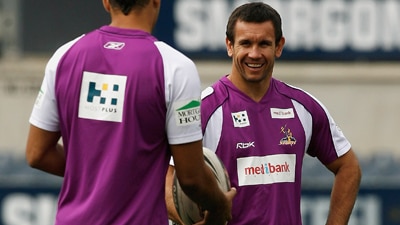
[{"x": 344, "y": 52}]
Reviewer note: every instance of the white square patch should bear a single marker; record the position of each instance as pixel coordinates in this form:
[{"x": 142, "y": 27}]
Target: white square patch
[
  {"x": 102, "y": 97},
  {"x": 240, "y": 119}
]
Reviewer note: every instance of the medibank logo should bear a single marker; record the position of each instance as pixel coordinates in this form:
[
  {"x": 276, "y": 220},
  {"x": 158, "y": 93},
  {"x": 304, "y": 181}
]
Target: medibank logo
[{"x": 266, "y": 169}]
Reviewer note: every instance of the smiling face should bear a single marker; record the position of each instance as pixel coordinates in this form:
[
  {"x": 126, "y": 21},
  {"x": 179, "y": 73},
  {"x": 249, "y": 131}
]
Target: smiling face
[{"x": 253, "y": 52}]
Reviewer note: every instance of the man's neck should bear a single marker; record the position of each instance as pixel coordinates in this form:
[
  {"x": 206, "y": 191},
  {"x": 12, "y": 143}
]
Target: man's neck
[{"x": 138, "y": 21}]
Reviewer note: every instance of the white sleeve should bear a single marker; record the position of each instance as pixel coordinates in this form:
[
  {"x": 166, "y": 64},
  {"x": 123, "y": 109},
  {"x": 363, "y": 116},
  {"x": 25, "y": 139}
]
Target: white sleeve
[
  {"x": 212, "y": 133},
  {"x": 182, "y": 96},
  {"x": 45, "y": 113}
]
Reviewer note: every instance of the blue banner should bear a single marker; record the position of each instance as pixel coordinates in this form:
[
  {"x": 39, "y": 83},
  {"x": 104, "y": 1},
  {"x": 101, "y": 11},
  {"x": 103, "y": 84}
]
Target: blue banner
[
  {"x": 37, "y": 206},
  {"x": 373, "y": 207},
  {"x": 314, "y": 29}
]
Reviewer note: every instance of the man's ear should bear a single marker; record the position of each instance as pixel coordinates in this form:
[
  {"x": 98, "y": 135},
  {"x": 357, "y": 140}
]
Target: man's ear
[
  {"x": 156, "y": 3},
  {"x": 106, "y": 5},
  {"x": 279, "y": 47},
  {"x": 229, "y": 47}
]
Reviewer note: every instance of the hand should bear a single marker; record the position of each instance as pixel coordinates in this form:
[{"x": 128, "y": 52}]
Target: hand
[{"x": 214, "y": 217}]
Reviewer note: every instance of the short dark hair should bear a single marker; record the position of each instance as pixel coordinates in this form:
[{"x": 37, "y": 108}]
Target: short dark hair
[
  {"x": 254, "y": 12},
  {"x": 127, "y": 5}
]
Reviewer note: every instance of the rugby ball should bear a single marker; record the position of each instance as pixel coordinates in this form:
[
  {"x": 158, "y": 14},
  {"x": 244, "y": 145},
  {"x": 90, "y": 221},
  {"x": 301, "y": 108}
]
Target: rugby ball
[{"x": 188, "y": 210}]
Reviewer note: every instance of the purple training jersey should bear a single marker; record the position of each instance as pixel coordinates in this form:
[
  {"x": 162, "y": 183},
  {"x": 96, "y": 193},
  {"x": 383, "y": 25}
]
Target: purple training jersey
[
  {"x": 119, "y": 98},
  {"x": 262, "y": 145}
]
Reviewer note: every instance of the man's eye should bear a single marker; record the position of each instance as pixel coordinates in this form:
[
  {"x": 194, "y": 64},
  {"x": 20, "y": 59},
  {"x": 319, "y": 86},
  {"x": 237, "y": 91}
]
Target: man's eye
[{"x": 265, "y": 43}]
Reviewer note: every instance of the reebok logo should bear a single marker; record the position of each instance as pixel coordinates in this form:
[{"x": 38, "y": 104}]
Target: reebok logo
[
  {"x": 114, "y": 45},
  {"x": 280, "y": 168},
  {"x": 245, "y": 145}
]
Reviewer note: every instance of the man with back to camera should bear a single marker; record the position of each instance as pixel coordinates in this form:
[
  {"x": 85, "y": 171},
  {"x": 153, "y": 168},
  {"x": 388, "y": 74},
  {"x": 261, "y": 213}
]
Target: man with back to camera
[
  {"x": 261, "y": 129},
  {"x": 113, "y": 96}
]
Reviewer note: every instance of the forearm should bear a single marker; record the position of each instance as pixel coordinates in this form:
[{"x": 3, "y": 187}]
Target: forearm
[
  {"x": 204, "y": 190},
  {"x": 199, "y": 184},
  {"x": 172, "y": 212},
  {"x": 344, "y": 194},
  {"x": 169, "y": 200},
  {"x": 43, "y": 151},
  {"x": 51, "y": 161},
  {"x": 210, "y": 198}
]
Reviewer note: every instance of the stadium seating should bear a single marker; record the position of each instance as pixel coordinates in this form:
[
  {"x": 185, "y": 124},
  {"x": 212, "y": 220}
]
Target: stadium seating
[{"x": 378, "y": 169}]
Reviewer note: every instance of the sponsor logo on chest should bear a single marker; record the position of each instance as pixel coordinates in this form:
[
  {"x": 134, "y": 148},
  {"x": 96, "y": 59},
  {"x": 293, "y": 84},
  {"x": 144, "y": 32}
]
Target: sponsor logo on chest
[
  {"x": 240, "y": 119},
  {"x": 269, "y": 169},
  {"x": 277, "y": 113}
]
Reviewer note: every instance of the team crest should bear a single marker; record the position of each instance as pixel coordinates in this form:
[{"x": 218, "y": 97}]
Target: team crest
[{"x": 288, "y": 139}]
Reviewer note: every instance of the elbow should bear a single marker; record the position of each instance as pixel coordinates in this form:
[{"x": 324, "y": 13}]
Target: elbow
[
  {"x": 359, "y": 174},
  {"x": 352, "y": 173},
  {"x": 355, "y": 171},
  {"x": 34, "y": 163},
  {"x": 32, "y": 160}
]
